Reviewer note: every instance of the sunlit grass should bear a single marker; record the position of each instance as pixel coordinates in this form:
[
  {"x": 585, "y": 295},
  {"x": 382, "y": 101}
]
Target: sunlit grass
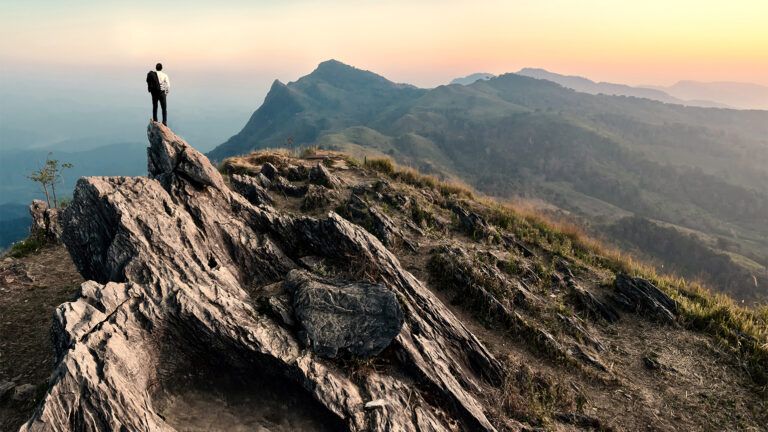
[
  {"x": 414, "y": 178},
  {"x": 742, "y": 329}
]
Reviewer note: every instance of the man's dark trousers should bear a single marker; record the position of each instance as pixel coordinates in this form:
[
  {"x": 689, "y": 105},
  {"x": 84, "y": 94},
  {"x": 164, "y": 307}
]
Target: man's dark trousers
[{"x": 160, "y": 96}]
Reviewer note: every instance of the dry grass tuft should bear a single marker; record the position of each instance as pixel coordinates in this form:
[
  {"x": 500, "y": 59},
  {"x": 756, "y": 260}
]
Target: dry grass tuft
[
  {"x": 414, "y": 178},
  {"x": 534, "y": 397},
  {"x": 250, "y": 163},
  {"x": 743, "y": 330}
]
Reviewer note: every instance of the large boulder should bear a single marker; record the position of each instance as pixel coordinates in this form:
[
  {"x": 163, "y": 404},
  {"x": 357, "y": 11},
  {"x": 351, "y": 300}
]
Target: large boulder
[{"x": 358, "y": 318}]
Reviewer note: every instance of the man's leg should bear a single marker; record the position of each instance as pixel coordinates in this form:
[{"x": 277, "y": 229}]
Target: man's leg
[
  {"x": 163, "y": 105},
  {"x": 154, "y": 107}
]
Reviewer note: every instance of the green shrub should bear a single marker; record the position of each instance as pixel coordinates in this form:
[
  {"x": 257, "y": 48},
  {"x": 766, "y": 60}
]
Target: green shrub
[{"x": 26, "y": 247}]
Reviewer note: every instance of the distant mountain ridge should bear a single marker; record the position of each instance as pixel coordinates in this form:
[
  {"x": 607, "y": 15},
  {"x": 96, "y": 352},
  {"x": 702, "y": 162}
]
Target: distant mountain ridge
[
  {"x": 473, "y": 78},
  {"x": 586, "y": 85},
  {"x": 14, "y": 223},
  {"x": 113, "y": 159},
  {"x": 735, "y": 94},
  {"x": 16, "y": 190},
  {"x": 601, "y": 158},
  {"x": 333, "y": 96}
]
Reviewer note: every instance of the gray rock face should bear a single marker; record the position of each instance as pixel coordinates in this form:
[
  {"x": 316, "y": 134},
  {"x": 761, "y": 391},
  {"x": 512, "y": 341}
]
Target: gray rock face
[
  {"x": 472, "y": 223},
  {"x": 172, "y": 261},
  {"x": 638, "y": 294},
  {"x": 251, "y": 189},
  {"x": 317, "y": 197},
  {"x": 320, "y": 175},
  {"x": 295, "y": 173},
  {"x": 376, "y": 222},
  {"x": 587, "y": 302},
  {"x": 45, "y": 222},
  {"x": 281, "y": 184},
  {"x": 269, "y": 171},
  {"x": 359, "y": 318}
]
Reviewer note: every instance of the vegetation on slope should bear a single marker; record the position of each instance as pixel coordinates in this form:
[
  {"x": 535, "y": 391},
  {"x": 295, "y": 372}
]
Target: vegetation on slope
[
  {"x": 598, "y": 157},
  {"x": 511, "y": 276},
  {"x": 514, "y": 278},
  {"x": 742, "y": 329}
]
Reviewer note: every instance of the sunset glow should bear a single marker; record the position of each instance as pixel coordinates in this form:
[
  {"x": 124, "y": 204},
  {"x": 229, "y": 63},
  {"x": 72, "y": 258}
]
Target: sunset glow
[{"x": 428, "y": 42}]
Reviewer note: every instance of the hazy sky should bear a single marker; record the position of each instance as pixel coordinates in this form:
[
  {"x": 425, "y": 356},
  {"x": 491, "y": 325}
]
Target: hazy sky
[{"x": 422, "y": 42}]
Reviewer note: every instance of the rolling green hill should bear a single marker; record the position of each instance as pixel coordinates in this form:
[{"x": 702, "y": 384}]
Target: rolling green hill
[{"x": 700, "y": 171}]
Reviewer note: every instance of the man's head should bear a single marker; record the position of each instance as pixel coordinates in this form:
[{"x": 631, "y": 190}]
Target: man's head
[{"x": 159, "y": 67}]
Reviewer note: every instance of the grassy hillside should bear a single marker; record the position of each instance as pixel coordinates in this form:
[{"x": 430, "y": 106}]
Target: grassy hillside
[
  {"x": 600, "y": 158},
  {"x": 518, "y": 282},
  {"x": 530, "y": 290}
]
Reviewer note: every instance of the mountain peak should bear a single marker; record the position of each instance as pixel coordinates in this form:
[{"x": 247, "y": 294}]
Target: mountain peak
[
  {"x": 334, "y": 64},
  {"x": 343, "y": 75},
  {"x": 470, "y": 79},
  {"x": 276, "y": 84},
  {"x": 335, "y": 67}
]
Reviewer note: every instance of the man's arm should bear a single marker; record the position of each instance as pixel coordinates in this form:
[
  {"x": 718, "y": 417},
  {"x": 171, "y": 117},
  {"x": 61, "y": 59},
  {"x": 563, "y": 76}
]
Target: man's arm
[{"x": 167, "y": 84}]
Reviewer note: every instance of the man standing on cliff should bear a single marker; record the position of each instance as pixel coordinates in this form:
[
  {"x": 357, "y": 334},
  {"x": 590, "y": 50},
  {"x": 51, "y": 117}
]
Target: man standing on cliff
[{"x": 159, "y": 85}]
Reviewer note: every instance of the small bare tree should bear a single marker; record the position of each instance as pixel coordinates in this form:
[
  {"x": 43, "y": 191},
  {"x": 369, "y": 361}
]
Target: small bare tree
[{"x": 48, "y": 176}]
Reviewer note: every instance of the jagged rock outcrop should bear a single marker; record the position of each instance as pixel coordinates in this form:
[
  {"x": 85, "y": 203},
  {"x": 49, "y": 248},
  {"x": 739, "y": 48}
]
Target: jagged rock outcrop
[
  {"x": 175, "y": 263},
  {"x": 320, "y": 175},
  {"x": 638, "y": 294},
  {"x": 269, "y": 171},
  {"x": 288, "y": 189},
  {"x": 472, "y": 223},
  {"x": 251, "y": 188},
  {"x": 318, "y": 197},
  {"x": 586, "y": 301},
  {"x": 45, "y": 222},
  {"x": 376, "y": 222}
]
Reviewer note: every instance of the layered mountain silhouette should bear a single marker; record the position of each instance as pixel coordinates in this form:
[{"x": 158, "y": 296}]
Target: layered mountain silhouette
[
  {"x": 690, "y": 93},
  {"x": 586, "y": 85},
  {"x": 700, "y": 172},
  {"x": 473, "y": 78},
  {"x": 734, "y": 94}
]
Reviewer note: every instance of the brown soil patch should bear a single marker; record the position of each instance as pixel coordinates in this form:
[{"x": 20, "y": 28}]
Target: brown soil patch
[{"x": 30, "y": 290}]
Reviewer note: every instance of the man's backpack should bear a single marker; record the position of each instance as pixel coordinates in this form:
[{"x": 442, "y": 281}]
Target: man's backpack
[{"x": 153, "y": 82}]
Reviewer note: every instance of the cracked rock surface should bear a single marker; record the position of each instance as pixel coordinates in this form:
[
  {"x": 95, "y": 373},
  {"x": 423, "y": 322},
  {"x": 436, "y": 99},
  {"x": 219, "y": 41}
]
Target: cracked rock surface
[{"x": 172, "y": 261}]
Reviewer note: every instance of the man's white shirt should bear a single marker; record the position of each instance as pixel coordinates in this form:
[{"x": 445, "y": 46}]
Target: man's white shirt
[{"x": 165, "y": 82}]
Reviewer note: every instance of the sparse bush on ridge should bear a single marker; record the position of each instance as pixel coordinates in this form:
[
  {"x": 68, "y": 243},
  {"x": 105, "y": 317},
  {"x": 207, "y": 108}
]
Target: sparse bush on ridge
[{"x": 25, "y": 247}]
